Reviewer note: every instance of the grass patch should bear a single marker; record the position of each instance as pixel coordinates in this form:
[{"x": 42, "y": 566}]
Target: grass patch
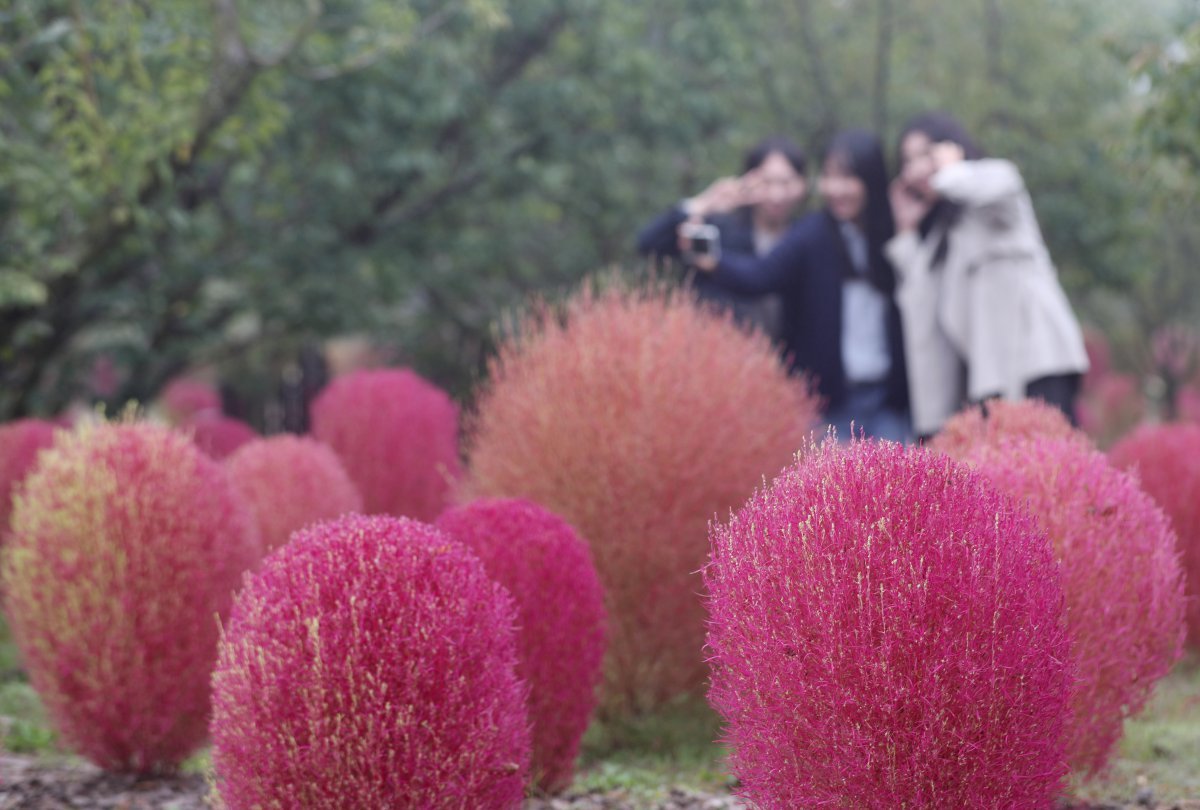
[{"x": 1161, "y": 747}]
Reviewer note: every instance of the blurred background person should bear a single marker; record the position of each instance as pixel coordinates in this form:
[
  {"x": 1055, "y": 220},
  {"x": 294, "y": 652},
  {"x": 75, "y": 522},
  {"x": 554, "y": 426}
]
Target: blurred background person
[
  {"x": 840, "y": 321},
  {"x": 984, "y": 314},
  {"x": 750, "y": 215}
]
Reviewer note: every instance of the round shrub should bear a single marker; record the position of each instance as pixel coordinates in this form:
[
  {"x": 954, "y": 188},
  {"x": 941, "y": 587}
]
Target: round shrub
[
  {"x": 887, "y": 631},
  {"x": 185, "y": 398},
  {"x": 126, "y": 542},
  {"x": 20, "y": 443},
  {"x": 1166, "y": 461},
  {"x": 370, "y": 662},
  {"x": 549, "y": 572},
  {"x": 397, "y": 435},
  {"x": 219, "y": 436},
  {"x": 637, "y": 415},
  {"x": 290, "y": 482},
  {"x": 1121, "y": 577},
  {"x": 1001, "y": 420}
]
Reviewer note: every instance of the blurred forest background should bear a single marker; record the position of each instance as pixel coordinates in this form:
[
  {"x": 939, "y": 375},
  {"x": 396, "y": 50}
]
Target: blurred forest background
[{"x": 222, "y": 183}]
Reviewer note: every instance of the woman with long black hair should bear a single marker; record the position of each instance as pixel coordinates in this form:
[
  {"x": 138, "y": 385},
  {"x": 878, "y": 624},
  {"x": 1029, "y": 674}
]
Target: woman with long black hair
[
  {"x": 983, "y": 311},
  {"x": 840, "y": 322}
]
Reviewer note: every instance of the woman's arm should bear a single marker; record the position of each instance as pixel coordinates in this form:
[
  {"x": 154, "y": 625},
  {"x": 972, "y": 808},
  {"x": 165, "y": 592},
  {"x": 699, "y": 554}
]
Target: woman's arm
[
  {"x": 659, "y": 237},
  {"x": 771, "y": 273},
  {"x": 976, "y": 183}
]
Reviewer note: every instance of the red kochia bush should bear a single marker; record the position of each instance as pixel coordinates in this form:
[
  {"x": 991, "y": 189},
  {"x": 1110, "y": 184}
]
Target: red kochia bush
[
  {"x": 637, "y": 415},
  {"x": 1000, "y": 420},
  {"x": 219, "y": 436},
  {"x": 1120, "y": 573},
  {"x": 185, "y": 398},
  {"x": 887, "y": 631},
  {"x": 548, "y": 570},
  {"x": 20, "y": 443},
  {"x": 370, "y": 663},
  {"x": 126, "y": 542},
  {"x": 291, "y": 482},
  {"x": 1166, "y": 459},
  {"x": 397, "y": 435}
]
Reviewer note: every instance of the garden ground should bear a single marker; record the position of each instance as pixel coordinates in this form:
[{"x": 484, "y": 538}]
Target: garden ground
[{"x": 662, "y": 761}]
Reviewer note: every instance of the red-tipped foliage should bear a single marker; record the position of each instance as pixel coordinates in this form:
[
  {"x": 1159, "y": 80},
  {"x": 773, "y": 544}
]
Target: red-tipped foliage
[
  {"x": 291, "y": 482},
  {"x": 185, "y": 398},
  {"x": 370, "y": 663},
  {"x": 887, "y": 631},
  {"x": 397, "y": 435},
  {"x": 637, "y": 416},
  {"x": 20, "y": 443},
  {"x": 1166, "y": 460},
  {"x": 1001, "y": 421},
  {"x": 548, "y": 570},
  {"x": 1121, "y": 576},
  {"x": 219, "y": 436},
  {"x": 126, "y": 542}
]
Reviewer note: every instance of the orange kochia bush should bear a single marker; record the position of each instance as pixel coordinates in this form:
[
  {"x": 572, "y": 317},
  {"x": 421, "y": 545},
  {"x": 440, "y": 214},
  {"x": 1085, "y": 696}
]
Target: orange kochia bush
[
  {"x": 127, "y": 543},
  {"x": 638, "y": 416}
]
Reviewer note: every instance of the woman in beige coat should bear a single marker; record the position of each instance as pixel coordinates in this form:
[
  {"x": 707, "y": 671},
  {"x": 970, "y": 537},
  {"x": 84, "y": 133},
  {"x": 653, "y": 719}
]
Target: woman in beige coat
[{"x": 983, "y": 312}]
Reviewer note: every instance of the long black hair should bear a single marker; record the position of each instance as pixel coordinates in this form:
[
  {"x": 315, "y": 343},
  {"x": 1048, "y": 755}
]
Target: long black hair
[
  {"x": 939, "y": 127},
  {"x": 861, "y": 152}
]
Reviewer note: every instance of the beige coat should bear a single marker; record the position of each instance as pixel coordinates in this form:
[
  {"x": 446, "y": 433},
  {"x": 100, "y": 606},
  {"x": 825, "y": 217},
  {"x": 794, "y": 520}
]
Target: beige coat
[{"x": 993, "y": 317}]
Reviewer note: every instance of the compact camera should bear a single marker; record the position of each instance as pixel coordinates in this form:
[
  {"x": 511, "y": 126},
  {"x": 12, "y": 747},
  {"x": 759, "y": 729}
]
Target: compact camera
[{"x": 705, "y": 239}]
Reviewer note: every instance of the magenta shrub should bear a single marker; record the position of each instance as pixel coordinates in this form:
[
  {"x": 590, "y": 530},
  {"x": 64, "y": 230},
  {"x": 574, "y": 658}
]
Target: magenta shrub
[
  {"x": 887, "y": 630},
  {"x": 219, "y": 436},
  {"x": 973, "y": 427},
  {"x": 185, "y": 398},
  {"x": 126, "y": 543},
  {"x": 548, "y": 570},
  {"x": 370, "y": 663},
  {"x": 1166, "y": 460},
  {"x": 637, "y": 416},
  {"x": 397, "y": 435},
  {"x": 1121, "y": 577},
  {"x": 20, "y": 443},
  {"x": 291, "y": 482}
]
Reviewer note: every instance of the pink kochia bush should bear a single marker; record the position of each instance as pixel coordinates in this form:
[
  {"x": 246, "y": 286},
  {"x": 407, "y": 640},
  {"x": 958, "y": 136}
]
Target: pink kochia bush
[
  {"x": 887, "y": 631},
  {"x": 1121, "y": 577},
  {"x": 1166, "y": 460},
  {"x": 370, "y": 663},
  {"x": 291, "y": 482},
  {"x": 636, "y": 415},
  {"x": 126, "y": 543},
  {"x": 20, "y": 443},
  {"x": 1002, "y": 421},
  {"x": 219, "y": 436},
  {"x": 185, "y": 398},
  {"x": 397, "y": 435},
  {"x": 548, "y": 570}
]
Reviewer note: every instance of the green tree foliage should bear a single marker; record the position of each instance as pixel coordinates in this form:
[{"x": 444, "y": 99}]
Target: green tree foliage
[{"x": 221, "y": 182}]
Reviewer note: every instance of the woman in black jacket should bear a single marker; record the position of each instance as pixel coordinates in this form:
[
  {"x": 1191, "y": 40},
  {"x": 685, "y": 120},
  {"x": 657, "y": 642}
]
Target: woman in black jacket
[
  {"x": 777, "y": 167},
  {"x": 840, "y": 322}
]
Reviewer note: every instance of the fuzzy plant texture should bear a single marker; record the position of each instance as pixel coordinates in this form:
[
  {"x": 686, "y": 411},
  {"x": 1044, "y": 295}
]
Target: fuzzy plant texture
[
  {"x": 219, "y": 436},
  {"x": 1121, "y": 576},
  {"x": 999, "y": 421},
  {"x": 548, "y": 570},
  {"x": 20, "y": 443},
  {"x": 638, "y": 415},
  {"x": 887, "y": 631},
  {"x": 397, "y": 435},
  {"x": 370, "y": 662},
  {"x": 184, "y": 398},
  {"x": 126, "y": 542},
  {"x": 291, "y": 482},
  {"x": 1166, "y": 460}
]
